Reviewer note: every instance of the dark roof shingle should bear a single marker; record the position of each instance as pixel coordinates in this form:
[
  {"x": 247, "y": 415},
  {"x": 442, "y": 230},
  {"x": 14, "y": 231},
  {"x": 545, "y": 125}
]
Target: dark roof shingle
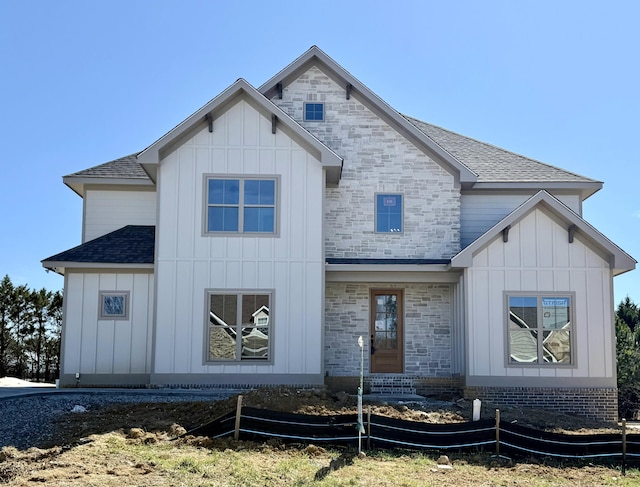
[{"x": 133, "y": 244}]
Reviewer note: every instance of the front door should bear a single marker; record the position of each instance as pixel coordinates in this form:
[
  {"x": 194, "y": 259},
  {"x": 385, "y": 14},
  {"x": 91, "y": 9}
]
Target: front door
[{"x": 386, "y": 331}]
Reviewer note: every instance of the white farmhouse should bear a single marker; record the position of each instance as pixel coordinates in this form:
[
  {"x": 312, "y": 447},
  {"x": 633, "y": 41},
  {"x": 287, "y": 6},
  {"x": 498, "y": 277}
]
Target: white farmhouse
[{"x": 255, "y": 242}]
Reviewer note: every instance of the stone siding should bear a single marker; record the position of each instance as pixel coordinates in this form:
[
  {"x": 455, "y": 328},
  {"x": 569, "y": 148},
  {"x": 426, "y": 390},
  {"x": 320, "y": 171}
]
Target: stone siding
[
  {"x": 598, "y": 404},
  {"x": 427, "y": 328},
  {"x": 377, "y": 158}
]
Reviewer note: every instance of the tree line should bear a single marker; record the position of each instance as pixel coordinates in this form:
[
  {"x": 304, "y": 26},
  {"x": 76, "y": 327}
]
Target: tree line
[
  {"x": 628, "y": 358},
  {"x": 30, "y": 328}
]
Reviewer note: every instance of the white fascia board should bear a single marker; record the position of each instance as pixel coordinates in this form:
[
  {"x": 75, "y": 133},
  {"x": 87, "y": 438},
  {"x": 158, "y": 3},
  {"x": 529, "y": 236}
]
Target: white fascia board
[
  {"x": 153, "y": 154},
  {"x": 316, "y": 56},
  {"x": 620, "y": 261}
]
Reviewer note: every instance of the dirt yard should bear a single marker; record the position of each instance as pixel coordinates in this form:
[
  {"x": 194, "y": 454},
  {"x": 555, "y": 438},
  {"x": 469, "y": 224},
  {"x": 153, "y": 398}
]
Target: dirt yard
[{"x": 135, "y": 444}]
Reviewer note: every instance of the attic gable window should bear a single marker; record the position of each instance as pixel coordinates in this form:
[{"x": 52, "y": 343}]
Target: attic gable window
[
  {"x": 242, "y": 205},
  {"x": 314, "y": 112}
]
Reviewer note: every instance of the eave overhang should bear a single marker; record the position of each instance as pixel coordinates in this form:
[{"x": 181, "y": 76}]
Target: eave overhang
[
  {"x": 60, "y": 267},
  {"x": 315, "y": 56},
  {"x": 79, "y": 184},
  {"x": 150, "y": 157},
  {"x": 586, "y": 189}
]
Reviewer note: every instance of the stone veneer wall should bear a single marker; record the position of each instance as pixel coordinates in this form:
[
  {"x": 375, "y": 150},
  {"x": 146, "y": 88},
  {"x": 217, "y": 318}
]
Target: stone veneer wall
[
  {"x": 427, "y": 328},
  {"x": 377, "y": 158},
  {"x": 599, "y": 404}
]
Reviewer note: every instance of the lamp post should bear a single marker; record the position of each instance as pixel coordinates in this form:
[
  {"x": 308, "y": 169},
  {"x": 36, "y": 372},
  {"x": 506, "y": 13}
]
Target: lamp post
[{"x": 360, "y": 425}]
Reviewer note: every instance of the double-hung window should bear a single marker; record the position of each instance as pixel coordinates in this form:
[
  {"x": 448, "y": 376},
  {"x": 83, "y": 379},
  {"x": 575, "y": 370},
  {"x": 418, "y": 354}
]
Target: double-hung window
[
  {"x": 389, "y": 213},
  {"x": 540, "y": 329},
  {"x": 246, "y": 205},
  {"x": 239, "y": 326}
]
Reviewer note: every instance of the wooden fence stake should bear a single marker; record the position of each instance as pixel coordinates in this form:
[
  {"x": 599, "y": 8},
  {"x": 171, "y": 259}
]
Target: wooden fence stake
[
  {"x": 624, "y": 446},
  {"x": 369, "y": 428},
  {"x": 498, "y": 432},
  {"x": 236, "y": 434}
]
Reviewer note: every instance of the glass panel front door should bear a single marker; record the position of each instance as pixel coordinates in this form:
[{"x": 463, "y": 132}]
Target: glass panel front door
[{"x": 386, "y": 331}]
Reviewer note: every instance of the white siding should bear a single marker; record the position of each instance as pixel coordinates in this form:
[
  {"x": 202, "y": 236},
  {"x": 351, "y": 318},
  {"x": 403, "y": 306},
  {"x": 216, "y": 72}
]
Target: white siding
[
  {"x": 479, "y": 212},
  {"x": 539, "y": 258},
  {"x": 290, "y": 264},
  {"x": 93, "y": 346},
  {"x": 109, "y": 210}
]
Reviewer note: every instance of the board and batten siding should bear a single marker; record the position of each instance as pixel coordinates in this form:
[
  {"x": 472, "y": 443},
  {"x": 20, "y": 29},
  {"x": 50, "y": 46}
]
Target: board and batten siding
[
  {"x": 108, "y": 210},
  {"x": 479, "y": 212},
  {"x": 106, "y": 347},
  {"x": 189, "y": 263},
  {"x": 539, "y": 258}
]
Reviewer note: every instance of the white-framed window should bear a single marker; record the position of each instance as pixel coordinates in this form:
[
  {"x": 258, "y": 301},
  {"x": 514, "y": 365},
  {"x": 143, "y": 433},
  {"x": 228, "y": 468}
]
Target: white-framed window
[
  {"x": 389, "y": 212},
  {"x": 313, "y": 112},
  {"x": 241, "y": 205},
  {"x": 239, "y": 326},
  {"x": 114, "y": 305},
  {"x": 540, "y": 329}
]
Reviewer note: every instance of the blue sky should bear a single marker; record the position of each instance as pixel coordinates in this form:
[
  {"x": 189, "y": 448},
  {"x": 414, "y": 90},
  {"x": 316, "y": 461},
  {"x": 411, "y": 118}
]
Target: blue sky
[{"x": 87, "y": 82}]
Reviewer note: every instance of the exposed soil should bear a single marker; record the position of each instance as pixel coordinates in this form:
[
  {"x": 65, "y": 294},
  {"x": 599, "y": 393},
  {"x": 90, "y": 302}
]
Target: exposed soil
[{"x": 70, "y": 457}]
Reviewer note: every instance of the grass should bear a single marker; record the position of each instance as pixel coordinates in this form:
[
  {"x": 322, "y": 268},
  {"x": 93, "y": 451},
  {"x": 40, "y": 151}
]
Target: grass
[
  {"x": 239, "y": 464},
  {"x": 146, "y": 459}
]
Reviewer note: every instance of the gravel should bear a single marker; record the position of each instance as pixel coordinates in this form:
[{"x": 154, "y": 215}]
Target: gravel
[{"x": 29, "y": 421}]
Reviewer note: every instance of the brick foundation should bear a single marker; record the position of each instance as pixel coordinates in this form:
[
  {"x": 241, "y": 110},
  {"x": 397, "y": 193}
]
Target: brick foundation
[{"x": 598, "y": 404}]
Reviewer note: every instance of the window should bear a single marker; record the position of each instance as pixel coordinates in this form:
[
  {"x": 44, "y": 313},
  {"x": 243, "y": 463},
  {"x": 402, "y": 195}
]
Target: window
[
  {"x": 241, "y": 205},
  {"x": 389, "y": 213},
  {"x": 114, "y": 305},
  {"x": 540, "y": 329},
  {"x": 239, "y": 327},
  {"x": 314, "y": 112}
]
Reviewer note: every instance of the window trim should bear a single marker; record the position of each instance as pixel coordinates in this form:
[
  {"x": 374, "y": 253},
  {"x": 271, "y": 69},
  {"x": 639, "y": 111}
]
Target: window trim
[
  {"x": 572, "y": 335},
  {"x": 375, "y": 212},
  {"x": 106, "y": 317},
  {"x": 304, "y": 111},
  {"x": 241, "y": 177},
  {"x": 206, "y": 360}
]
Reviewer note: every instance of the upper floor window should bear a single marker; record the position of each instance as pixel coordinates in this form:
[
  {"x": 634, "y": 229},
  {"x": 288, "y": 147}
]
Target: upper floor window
[
  {"x": 314, "y": 111},
  {"x": 389, "y": 213},
  {"x": 241, "y": 205},
  {"x": 540, "y": 329}
]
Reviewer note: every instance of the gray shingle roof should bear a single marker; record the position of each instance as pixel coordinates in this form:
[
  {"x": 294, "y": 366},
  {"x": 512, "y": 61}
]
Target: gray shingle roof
[
  {"x": 133, "y": 244},
  {"x": 490, "y": 163},
  {"x": 493, "y": 164},
  {"x": 124, "y": 168}
]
